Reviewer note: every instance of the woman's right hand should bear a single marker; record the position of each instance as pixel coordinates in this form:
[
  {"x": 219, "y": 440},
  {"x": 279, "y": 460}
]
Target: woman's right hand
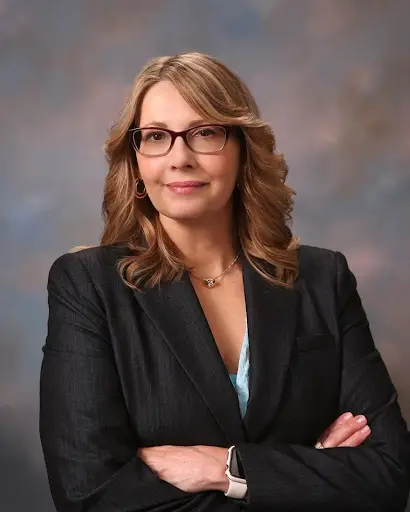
[{"x": 347, "y": 430}]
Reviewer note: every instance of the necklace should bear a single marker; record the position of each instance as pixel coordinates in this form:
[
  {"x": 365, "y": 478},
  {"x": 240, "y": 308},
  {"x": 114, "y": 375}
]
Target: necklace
[{"x": 210, "y": 282}]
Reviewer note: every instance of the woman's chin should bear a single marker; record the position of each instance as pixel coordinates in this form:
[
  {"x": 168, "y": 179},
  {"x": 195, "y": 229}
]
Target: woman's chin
[{"x": 186, "y": 214}]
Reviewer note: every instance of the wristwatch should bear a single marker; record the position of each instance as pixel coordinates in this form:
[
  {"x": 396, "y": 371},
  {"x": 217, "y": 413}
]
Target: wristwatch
[{"x": 237, "y": 484}]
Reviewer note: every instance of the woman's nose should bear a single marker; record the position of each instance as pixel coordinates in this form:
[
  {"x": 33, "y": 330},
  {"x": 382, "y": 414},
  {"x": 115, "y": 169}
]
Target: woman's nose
[{"x": 181, "y": 155}]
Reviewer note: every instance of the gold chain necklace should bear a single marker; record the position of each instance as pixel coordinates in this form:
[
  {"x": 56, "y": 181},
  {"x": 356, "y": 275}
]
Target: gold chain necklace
[{"x": 210, "y": 282}]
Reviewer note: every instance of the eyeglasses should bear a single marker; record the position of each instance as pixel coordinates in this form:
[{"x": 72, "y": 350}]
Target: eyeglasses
[{"x": 205, "y": 139}]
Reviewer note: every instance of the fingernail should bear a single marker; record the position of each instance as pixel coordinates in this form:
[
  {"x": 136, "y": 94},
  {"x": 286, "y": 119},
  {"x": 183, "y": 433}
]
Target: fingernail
[
  {"x": 347, "y": 416},
  {"x": 365, "y": 429},
  {"x": 360, "y": 419}
]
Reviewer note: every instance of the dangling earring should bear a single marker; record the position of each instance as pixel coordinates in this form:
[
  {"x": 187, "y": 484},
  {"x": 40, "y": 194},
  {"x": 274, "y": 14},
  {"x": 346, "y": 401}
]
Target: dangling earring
[{"x": 140, "y": 194}]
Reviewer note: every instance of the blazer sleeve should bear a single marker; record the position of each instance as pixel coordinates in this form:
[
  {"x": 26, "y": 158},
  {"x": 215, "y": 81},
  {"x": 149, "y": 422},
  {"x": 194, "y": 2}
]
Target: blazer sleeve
[
  {"x": 372, "y": 477},
  {"x": 88, "y": 442}
]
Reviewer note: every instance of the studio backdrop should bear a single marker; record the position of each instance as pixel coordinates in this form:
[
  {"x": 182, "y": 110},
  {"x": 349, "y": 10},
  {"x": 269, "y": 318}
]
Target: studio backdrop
[{"x": 331, "y": 76}]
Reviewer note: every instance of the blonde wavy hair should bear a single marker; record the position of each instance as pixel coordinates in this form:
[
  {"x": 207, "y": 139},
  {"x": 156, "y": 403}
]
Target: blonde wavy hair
[{"x": 262, "y": 203}]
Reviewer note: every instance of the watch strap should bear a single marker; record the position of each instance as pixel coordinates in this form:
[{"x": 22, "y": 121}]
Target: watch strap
[{"x": 236, "y": 490}]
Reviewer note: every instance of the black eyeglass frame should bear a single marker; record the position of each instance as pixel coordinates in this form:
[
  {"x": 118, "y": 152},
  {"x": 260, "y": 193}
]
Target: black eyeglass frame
[{"x": 227, "y": 128}]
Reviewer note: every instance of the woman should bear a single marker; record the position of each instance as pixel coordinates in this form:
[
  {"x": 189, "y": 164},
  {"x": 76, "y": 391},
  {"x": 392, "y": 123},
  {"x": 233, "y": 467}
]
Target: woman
[{"x": 200, "y": 337}]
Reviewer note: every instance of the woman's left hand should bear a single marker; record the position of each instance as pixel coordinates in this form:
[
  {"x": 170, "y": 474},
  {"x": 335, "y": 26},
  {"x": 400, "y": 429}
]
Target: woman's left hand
[{"x": 190, "y": 468}]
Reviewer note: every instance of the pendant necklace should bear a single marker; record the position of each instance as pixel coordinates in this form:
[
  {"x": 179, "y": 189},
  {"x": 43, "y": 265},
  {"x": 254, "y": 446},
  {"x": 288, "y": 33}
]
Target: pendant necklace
[{"x": 210, "y": 282}]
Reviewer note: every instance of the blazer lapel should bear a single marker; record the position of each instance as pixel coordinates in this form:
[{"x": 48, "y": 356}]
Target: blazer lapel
[
  {"x": 177, "y": 313},
  {"x": 272, "y": 316}
]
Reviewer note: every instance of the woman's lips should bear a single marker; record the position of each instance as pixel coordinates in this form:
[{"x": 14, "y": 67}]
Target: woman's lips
[{"x": 185, "y": 187}]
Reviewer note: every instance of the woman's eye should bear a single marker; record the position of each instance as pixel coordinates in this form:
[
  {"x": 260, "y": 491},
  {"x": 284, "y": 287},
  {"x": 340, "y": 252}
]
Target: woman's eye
[
  {"x": 204, "y": 132},
  {"x": 154, "y": 136}
]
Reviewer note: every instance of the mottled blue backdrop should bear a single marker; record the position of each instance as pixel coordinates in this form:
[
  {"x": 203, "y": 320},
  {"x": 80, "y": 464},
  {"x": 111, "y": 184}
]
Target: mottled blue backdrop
[{"x": 332, "y": 77}]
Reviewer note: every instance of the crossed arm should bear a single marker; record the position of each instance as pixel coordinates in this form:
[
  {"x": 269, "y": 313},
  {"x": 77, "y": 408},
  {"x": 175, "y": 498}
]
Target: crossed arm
[{"x": 202, "y": 468}]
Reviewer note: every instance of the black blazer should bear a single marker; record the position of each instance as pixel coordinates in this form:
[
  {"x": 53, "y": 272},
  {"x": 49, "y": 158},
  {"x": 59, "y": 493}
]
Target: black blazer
[{"x": 125, "y": 369}]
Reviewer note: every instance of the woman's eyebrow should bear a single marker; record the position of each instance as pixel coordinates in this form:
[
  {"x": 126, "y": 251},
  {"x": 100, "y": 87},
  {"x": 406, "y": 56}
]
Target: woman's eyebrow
[{"x": 161, "y": 124}]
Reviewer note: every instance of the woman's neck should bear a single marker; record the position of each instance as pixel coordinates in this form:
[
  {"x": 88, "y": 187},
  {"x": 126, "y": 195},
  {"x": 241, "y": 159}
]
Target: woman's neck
[{"x": 207, "y": 246}]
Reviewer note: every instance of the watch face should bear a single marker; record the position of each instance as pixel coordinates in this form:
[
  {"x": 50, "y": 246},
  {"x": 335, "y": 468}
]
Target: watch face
[{"x": 236, "y": 466}]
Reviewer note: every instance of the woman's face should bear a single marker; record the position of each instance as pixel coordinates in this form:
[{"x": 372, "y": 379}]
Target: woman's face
[{"x": 165, "y": 177}]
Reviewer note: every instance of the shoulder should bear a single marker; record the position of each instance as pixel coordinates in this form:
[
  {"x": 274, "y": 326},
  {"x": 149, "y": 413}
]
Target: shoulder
[
  {"x": 318, "y": 265},
  {"x": 85, "y": 262},
  {"x": 313, "y": 259}
]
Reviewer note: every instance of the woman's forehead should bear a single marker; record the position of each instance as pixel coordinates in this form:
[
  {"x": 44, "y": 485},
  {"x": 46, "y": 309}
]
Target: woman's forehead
[{"x": 164, "y": 106}]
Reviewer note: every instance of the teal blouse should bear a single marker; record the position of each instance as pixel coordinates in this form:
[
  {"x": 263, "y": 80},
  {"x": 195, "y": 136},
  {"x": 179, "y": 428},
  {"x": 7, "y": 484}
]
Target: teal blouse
[{"x": 240, "y": 380}]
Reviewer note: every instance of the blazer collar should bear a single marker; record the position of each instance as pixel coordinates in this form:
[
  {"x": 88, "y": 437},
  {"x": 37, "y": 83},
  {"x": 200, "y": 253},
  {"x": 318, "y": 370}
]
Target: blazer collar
[{"x": 175, "y": 310}]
